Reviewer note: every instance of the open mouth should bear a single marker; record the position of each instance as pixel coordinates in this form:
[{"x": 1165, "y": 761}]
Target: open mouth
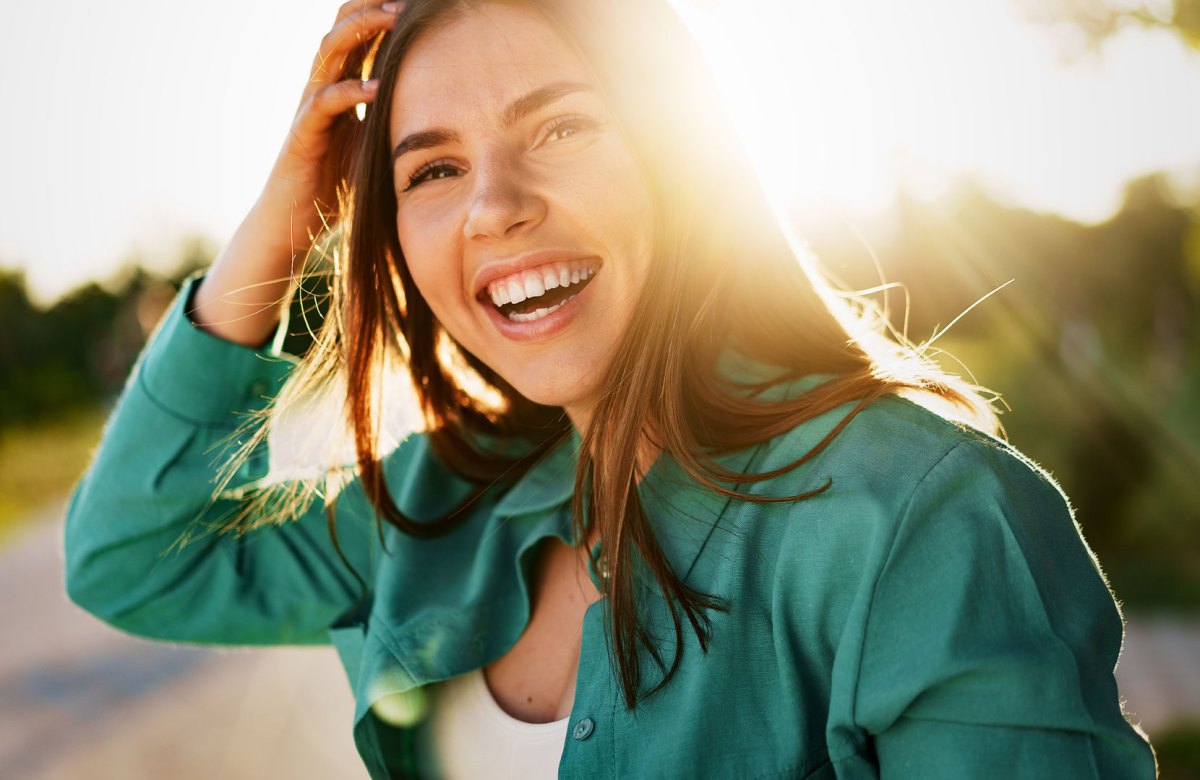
[{"x": 530, "y": 295}]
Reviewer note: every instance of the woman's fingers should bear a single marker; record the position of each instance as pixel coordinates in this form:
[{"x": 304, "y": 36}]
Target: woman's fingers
[
  {"x": 300, "y": 197},
  {"x": 350, "y": 32},
  {"x": 353, "y": 6},
  {"x": 301, "y": 164},
  {"x": 332, "y": 100},
  {"x": 304, "y": 175}
]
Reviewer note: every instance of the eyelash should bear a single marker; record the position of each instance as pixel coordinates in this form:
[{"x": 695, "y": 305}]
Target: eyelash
[
  {"x": 580, "y": 123},
  {"x": 424, "y": 173}
]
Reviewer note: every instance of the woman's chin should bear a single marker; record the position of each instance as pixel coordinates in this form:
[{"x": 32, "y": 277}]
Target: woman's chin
[
  {"x": 568, "y": 392},
  {"x": 547, "y": 397}
]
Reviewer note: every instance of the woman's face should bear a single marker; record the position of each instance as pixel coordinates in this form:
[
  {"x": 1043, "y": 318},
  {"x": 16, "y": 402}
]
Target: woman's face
[{"x": 523, "y": 217}]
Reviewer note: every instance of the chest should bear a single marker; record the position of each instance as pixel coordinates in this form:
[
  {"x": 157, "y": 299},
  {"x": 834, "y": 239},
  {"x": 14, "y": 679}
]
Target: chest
[{"x": 535, "y": 680}]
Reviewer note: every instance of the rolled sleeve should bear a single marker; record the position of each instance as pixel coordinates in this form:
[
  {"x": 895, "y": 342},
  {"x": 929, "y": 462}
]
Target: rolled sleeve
[
  {"x": 201, "y": 378},
  {"x": 140, "y": 549}
]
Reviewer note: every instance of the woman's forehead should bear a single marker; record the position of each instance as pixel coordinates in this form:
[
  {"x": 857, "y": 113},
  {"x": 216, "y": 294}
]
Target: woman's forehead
[{"x": 476, "y": 64}]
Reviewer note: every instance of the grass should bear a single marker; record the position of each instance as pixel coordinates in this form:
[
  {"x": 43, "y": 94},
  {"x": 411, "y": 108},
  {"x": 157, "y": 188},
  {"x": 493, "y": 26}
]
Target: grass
[{"x": 39, "y": 463}]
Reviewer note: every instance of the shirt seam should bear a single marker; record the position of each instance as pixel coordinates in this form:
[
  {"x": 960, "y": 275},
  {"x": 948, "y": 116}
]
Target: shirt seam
[
  {"x": 903, "y": 517},
  {"x": 169, "y": 410},
  {"x": 1080, "y": 699}
]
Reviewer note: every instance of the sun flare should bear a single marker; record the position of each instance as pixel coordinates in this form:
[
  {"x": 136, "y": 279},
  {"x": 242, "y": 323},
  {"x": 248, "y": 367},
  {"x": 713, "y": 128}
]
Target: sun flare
[
  {"x": 842, "y": 104},
  {"x": 809, "y": 132}
]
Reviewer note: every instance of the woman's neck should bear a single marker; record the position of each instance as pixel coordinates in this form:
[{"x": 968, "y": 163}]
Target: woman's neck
[{"x": 580, "y": 416}]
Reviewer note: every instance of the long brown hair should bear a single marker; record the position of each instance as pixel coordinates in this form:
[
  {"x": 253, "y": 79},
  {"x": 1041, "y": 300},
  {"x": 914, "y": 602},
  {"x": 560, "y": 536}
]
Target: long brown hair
[{"x": 725, "y": 276}]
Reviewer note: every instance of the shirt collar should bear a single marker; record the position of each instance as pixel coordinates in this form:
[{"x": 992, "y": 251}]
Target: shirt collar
[
  {"x": 684, "y": 513},
  {"x": 549, "y": 484}
]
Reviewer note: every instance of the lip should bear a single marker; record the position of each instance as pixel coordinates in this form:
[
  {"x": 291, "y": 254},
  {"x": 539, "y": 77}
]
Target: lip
[{"x": 526, "y": 262}]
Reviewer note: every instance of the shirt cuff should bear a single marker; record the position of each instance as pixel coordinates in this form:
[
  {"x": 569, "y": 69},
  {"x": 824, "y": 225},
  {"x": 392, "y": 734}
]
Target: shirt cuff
[{"x": 202, "y": 378}]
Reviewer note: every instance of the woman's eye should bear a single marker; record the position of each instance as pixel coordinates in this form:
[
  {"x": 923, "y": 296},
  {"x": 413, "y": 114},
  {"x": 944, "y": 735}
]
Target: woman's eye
[
  {"x": 562, "y": 131},
  {"x": 430, "y": 172},
  {"x": 565, "y": 128}
]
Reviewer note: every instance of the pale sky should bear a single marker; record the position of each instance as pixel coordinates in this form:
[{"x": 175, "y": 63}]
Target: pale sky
[{"x": 129, "y": 123}]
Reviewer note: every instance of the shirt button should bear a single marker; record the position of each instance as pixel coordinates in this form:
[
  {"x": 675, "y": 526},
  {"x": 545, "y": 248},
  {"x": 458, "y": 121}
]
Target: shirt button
[
  {"x": 258, "y": 388},
  {"x": 583, "y": 729}
]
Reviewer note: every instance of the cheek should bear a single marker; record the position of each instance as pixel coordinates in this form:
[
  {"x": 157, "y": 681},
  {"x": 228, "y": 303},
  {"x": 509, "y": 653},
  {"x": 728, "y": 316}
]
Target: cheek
[
  {"x": 632, "y": 218},
  {"x": 625, "y": 224},
  {"x": 428, "y": 256}
]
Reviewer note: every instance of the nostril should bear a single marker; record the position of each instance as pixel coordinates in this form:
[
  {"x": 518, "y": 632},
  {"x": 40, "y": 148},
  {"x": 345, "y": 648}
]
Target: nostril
[{"x": 501, "y": 209}]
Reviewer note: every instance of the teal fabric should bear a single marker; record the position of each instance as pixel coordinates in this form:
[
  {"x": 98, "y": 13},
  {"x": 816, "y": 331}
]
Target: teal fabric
[{"x": 934, "y": 614}]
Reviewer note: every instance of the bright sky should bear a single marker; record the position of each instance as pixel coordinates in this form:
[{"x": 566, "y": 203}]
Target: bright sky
[{"x": 131, "y": 122}]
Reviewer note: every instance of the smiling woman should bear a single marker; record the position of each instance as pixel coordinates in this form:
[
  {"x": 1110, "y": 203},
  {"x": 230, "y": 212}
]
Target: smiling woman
[
  {"x": 504, "y": 203},
  {"x": 671, "y": 513}
]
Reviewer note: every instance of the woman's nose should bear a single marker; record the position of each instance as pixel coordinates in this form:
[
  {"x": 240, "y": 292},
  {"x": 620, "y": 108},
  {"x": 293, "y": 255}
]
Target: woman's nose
[{"x": 502, "y": 203}]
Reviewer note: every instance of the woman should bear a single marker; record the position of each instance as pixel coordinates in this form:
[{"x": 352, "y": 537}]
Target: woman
[{"x": 666, "y": 518}]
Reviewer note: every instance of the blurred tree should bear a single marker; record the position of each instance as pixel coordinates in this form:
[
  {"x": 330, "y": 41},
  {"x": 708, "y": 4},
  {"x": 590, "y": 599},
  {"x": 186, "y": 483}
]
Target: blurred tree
[
  {"x": 1099, "y": 19},
  {"x": 78, "y": 351},
  {"x": 17, "y": 336}
]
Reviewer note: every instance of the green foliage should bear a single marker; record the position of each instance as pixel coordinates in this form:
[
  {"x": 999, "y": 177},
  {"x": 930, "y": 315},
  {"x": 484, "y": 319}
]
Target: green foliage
[
  {"x": 1099, "y": 19},
  {"x": 61, "y": 367},
  {"x": 38, "y": 463},
  {"x": 1178, "y": 750},
  {"x": 78, "y": 352}
]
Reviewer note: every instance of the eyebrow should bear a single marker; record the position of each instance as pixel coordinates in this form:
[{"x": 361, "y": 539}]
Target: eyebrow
[
  {"x": 513, "y": 113},
  {"x": 542, "y": 96},
  {"x": 425, "y": 139}
]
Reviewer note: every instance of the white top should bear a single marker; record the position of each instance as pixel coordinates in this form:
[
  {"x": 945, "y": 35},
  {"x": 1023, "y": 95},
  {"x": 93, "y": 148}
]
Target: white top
[{"x": 472, "y": 737}]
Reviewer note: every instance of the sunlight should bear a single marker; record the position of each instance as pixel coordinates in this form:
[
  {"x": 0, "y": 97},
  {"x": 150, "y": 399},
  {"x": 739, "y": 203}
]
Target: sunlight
[
  {"x": 842, "y": 105},
  {"x": 809, "y": 137},
  {"x": 837, "y": 102}
]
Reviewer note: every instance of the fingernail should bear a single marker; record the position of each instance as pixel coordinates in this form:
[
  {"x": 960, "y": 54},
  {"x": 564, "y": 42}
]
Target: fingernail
[
  {"x": 390, "y": 7},
  {"x": 371, "y": 86}
]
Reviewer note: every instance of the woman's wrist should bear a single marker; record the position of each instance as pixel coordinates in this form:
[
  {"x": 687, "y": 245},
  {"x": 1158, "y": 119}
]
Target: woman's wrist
[{"x": 241, "y": 296}]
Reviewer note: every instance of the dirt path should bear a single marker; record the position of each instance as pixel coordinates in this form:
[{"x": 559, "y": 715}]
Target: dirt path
[{"x": 81, "y": 700}]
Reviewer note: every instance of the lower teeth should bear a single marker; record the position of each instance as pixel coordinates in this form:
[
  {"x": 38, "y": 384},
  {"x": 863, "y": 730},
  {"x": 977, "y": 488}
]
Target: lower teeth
[{"x": 537, "y": 314}]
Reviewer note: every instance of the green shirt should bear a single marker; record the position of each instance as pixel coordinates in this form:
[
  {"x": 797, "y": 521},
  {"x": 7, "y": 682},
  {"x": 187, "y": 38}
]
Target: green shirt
[{"x": 933, "y": 614}]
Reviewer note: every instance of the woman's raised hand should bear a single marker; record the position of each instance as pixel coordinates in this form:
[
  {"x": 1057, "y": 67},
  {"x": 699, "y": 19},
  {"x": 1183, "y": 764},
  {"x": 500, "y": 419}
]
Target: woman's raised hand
[
  {"x": 302, "y": 174},
  {"x": 240, "y": 297}
]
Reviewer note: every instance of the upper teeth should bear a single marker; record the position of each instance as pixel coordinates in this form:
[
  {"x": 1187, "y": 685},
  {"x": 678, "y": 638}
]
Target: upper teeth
[{"x": 534, "y": 283}]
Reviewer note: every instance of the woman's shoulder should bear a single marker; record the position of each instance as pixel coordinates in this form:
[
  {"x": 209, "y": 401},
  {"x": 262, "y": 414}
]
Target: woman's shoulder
[
  {"x": 901, "y": 482},
  {"x": 945, "y": 573},
  {"x": 921, "y": 513},
  {"x": 893, "y": 444}
]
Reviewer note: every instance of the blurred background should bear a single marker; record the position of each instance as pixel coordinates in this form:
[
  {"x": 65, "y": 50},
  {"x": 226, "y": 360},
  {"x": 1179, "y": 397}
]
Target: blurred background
[{"x": 947, "y": 148}]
